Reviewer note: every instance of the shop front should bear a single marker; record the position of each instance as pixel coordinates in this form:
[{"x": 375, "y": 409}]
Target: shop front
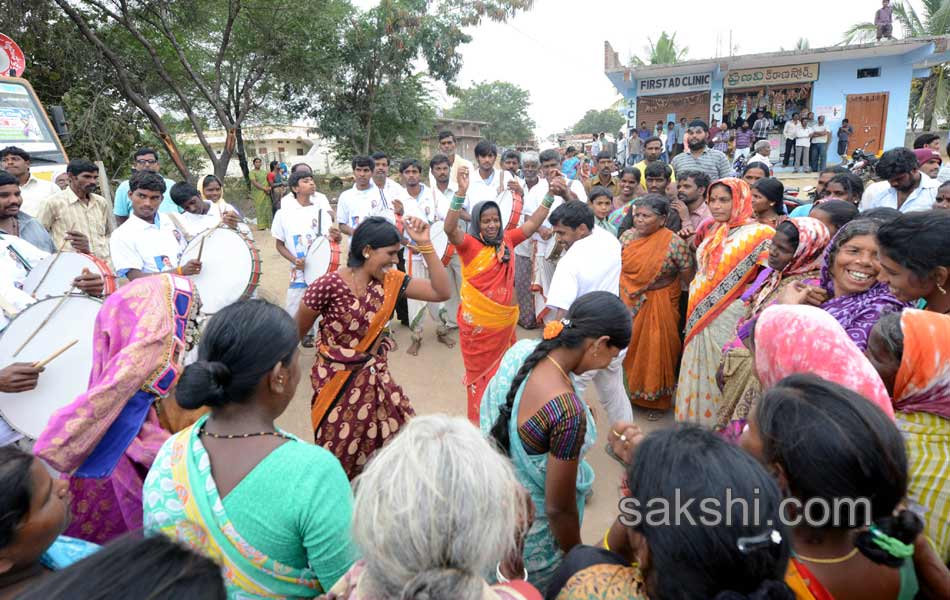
[
  {"x": 671, "y": 98},
  {"x": 778, "y": 91}
]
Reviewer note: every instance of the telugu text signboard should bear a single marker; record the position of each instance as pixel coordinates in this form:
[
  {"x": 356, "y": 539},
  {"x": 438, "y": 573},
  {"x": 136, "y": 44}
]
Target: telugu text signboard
[
  {"x": 788, "y": 74},
  {"x": 674, "y": 84}
]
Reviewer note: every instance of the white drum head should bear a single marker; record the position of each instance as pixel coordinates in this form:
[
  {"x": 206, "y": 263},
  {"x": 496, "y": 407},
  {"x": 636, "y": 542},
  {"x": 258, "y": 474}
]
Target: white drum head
[
  {"x": 61, "y": 272},
  {"x": 65, "y": 377},
  {"x": 440, "y": 240},
  {"x": 317, "y": 262},
  {"x": 506, "y": 204},
  {"x": 228, "y": 266}
]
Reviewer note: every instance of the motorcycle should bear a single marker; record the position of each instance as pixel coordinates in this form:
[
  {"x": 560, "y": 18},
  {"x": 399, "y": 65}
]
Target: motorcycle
[{"x": 862, "y": 163}]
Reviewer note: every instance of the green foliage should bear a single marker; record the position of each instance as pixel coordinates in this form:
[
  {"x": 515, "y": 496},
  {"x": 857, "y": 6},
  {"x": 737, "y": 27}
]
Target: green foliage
[
  {"x": 373, "y": 98},
  {"x": 503, "y": 105},
  {"x": 596, "y": 121},
  {"x": 665, "y": 51}
]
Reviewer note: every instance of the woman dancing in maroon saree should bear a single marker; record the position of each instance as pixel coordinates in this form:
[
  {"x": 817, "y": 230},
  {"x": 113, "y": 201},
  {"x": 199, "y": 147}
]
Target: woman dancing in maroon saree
[{"x": 356, "y": 405}]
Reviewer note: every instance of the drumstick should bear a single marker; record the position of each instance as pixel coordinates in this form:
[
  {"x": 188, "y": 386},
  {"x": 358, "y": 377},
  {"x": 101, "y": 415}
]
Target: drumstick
[
  {"x": 45, "y": 321},
  {"x": 201, "y": 247},
  {"x": 50, "y": 268},
  {"x": 49, "y": 359}
]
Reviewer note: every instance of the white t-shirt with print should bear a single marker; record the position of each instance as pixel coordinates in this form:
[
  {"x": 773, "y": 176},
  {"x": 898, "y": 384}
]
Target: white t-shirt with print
[
  {"x": 148, "y": 247},
  {"x": 298, "y": 228},
  {"x": 355, "y": 206}
]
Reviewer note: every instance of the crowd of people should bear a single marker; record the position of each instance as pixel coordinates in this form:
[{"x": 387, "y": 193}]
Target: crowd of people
[{"x": 802, "y": 351}]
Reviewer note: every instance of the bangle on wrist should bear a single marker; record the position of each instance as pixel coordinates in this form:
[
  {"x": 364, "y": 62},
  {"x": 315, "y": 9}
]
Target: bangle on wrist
[
  {"x": 548, "y": 201},
  {"x": 502, "y": 579},
  {"x": 179, "y": 271},
  {"x": 457, "y": 203}
]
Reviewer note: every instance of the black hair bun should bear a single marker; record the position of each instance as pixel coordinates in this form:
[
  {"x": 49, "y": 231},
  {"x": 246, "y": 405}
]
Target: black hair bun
[
  {"x": 203, "y": 383},
  {"x": 770, "y": 589}
]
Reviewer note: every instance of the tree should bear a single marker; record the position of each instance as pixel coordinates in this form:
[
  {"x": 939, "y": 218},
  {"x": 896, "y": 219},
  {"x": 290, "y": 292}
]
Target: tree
[
  {"x": 595, "y": 121},
  {"x": 665, "y": 51},
  {"x": 935, "y": 22},
  {"x": 503, "y": 105},
  {"x": 214, "y": 62},
  {"x": 801, "y": 45},
  {"x": 374, "y": 99}
]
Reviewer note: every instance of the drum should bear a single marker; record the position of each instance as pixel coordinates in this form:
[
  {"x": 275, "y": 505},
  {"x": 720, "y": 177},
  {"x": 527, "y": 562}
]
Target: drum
[
  {"x": 323, "y": 257},
  {"x": 511, "y": 207},
  {"x": 62, "y": 379},
  {"x": 53, "y": 276},
  {"x": 230, "y": 267}
]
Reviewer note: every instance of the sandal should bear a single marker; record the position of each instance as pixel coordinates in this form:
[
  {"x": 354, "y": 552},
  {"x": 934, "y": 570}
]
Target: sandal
[{"x": 654, "y": 415}]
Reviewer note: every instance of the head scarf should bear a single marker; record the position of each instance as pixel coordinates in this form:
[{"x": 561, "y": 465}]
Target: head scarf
[
  {"x": 793, "y": 339},
  {"x": 852, "y": 311},
  {"x": 140, "y": 338},
  {"x": 710, "y": 254},
  {"x": 922, "y": 383},
  {"x": 475, "y": 229},
  {"x": 813, "y": 238}
]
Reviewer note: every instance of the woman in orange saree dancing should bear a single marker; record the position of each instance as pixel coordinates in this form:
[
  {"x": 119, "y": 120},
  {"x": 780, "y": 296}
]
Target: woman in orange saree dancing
[
  {"x": 356, "y": 406},
  {"x": 730, "y": 256},
  {"x": 488, "y": 312},
  {"x": 655, "y": 260}
]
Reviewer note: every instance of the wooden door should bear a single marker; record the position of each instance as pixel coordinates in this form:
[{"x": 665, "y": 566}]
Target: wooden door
[{"x": 867, "y": 113}]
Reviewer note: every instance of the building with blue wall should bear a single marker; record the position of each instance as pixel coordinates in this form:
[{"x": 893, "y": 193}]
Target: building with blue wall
[{"x": 869, "y": 84}]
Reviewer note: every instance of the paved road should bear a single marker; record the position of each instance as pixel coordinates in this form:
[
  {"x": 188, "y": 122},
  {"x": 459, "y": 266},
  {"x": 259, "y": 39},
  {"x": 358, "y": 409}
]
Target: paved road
[{"x": 433, "y": 382}]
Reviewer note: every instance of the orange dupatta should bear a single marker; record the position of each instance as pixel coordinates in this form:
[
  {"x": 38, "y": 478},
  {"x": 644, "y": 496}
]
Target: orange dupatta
[
  {"x": 727, "y": 259},
  {"x": 650, "y": 363},
  {"x": 332, "y": 389}
]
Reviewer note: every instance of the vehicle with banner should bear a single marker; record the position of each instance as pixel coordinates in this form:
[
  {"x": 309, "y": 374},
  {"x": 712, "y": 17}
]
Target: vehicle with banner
[{"x": 23, "y": 120}]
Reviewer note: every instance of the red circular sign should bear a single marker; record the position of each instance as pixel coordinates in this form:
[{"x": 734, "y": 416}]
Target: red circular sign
[{"x": 11, "y": 57}]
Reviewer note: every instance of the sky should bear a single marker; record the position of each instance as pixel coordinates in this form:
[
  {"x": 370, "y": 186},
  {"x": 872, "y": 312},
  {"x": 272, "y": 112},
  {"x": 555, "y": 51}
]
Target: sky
[{"x": 556, "y": 50}]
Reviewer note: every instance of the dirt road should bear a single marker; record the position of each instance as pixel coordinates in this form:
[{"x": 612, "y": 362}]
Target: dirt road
[{"x": 433, "y": 381}]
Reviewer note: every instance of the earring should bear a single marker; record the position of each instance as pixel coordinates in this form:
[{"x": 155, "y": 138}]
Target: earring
[{"x": 942, "y": 291}]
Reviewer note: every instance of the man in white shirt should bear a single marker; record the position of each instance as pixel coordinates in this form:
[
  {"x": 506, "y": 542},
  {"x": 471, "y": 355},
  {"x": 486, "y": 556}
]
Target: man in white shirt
[
  {"x": 789, "y": 134},
  {"x": 443, "y": 191},
  {"x": 389, "y": 193},
  {"x": 548, "y": 251},
  {"x": 525, "y": 251},
  {"x": 419, "y": 201},
  {"x": 295, "y": 229},
  {"x": 909, "y": 189},
  {"x": 141, "y": 246},
  {"x": 590, "y": 263},
  {"x": 820, "y": 137},
  {"x": 486, "y": 182},
  {"x": 447, "y": 146},
  {"x": 363, "y": 200},
  {"x": 288, "y": 198},
  {"x": 802, "y": 146},
  {"x": 144, "y": 159},
  {"x": 16, "y": 162}
]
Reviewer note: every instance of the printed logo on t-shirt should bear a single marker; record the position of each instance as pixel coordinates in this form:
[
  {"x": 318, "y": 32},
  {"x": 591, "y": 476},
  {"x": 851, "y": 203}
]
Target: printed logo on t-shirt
[{"x": 162, "y": 262}]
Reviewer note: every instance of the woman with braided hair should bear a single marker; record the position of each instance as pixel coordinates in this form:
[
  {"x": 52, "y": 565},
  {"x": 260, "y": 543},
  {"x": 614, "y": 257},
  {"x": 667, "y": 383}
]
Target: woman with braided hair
[{"x": 532, "y": 410}]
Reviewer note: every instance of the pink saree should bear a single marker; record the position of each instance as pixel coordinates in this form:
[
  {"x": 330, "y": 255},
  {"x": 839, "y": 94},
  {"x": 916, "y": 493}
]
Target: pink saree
[{"x": 105, "y": 440}]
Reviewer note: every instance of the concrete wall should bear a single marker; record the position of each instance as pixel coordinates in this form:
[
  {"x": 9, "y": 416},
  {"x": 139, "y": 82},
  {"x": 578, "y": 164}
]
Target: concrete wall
[{"x": 838, "y": 79}]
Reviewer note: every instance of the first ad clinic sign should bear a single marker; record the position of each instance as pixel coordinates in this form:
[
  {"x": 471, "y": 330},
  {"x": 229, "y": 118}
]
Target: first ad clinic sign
[{"x": 674, "y": 84}]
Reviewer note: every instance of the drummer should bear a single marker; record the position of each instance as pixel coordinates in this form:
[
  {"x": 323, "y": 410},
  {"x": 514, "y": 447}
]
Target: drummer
[
  {"x": 140, "y": 246},
  {"x": 431, "y": 207},
  {"x": 15, "y": 222},
  {"x": 294, "y": 229},
  {"x": 197, "y": 216}
]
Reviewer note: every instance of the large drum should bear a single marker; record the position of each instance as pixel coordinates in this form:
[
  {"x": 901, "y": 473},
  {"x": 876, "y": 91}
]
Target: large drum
[
  {"x": 53, "y": 276},
  {"x": 70, "y": 318},
  {"x": 323, "y": 257},
  {"x": 230, "y": 267},
  {"x": 511, "y": 207}
]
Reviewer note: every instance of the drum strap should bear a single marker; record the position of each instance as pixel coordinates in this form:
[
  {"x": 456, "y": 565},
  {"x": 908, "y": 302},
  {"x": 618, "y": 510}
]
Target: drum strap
[
  {"x": 501, "y": 180},
  {"x": 18, "y": 257}
]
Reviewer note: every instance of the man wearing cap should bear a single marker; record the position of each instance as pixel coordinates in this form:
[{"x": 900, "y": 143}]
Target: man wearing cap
[
  {"x": 700, "y": 156},
  {"x": 929, "y": 161}
]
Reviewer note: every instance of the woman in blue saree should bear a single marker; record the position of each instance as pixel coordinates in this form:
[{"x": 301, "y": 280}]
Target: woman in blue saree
[{"x": 532, "y": 410}]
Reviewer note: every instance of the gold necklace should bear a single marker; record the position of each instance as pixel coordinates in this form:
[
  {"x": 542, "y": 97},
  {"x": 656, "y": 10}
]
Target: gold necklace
[
  {"x": 828, "y": 561},
  {"x": 561, "y": 369}
]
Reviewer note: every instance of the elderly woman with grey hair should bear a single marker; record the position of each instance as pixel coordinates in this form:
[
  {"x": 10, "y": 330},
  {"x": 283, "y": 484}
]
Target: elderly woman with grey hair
[
  {"x": 525, "y": 251},
  {"x": 657, "y": 265},
  {"x": 437, "y": 511}
]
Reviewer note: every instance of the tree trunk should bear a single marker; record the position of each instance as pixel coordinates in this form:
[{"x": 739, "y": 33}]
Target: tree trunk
[
  {"x": 242, "y": 157},
  {"x": 929, "y": 96}
]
